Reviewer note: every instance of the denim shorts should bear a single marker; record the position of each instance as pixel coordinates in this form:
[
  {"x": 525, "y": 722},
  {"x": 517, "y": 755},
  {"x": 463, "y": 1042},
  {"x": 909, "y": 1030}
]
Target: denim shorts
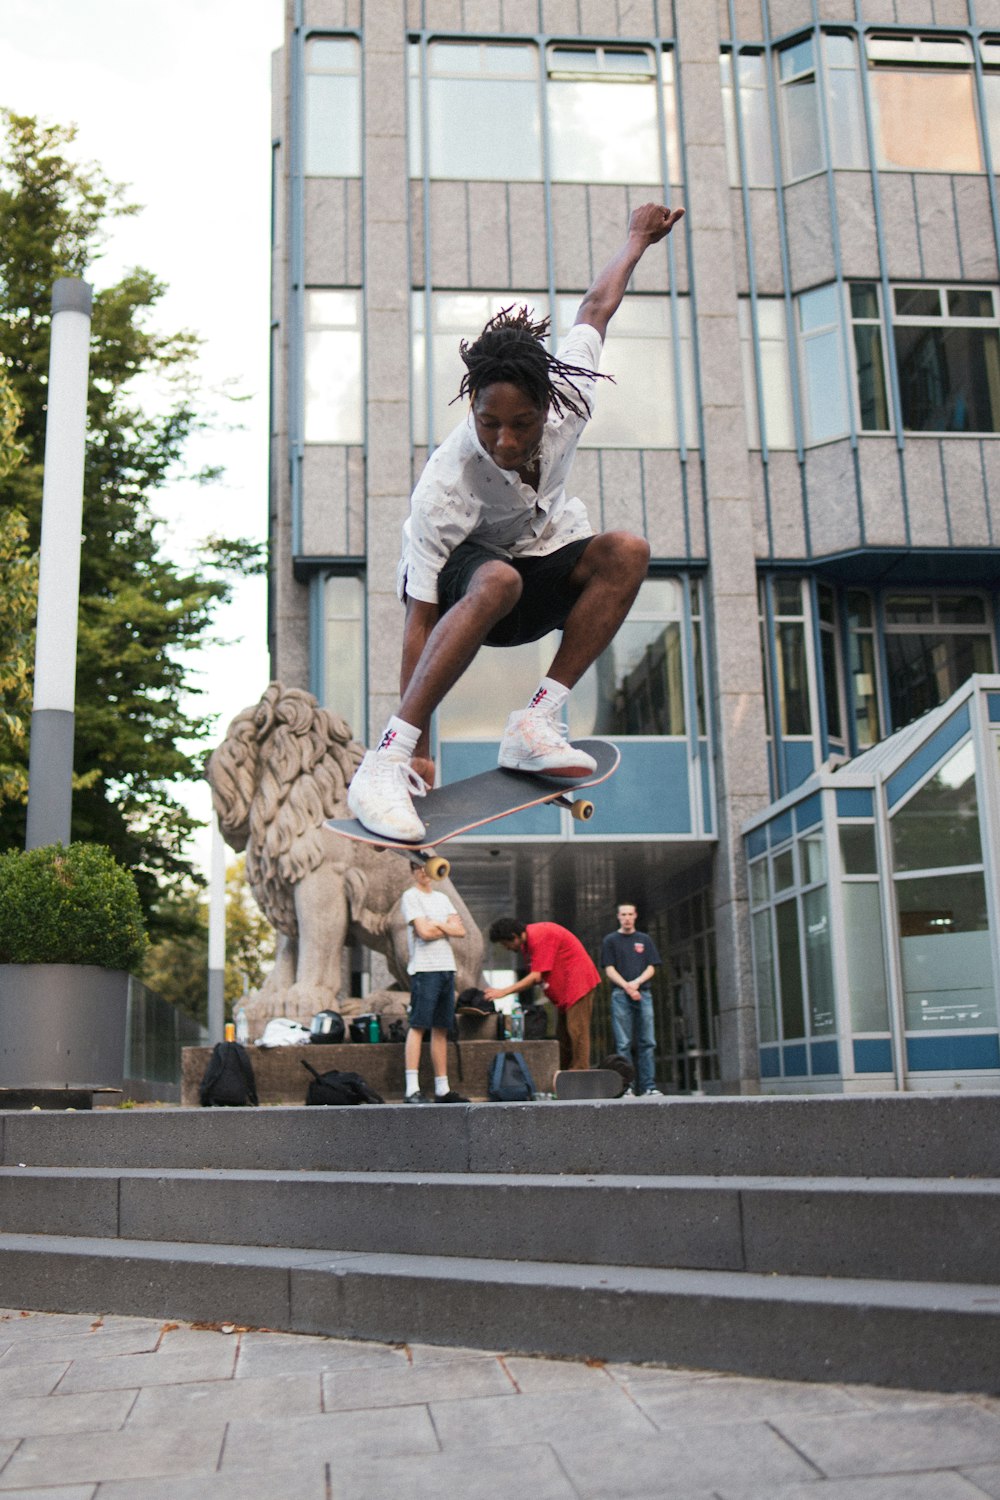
[
  {"x": 546, "y": 599},
  {"x": 432, "y": 1000}
]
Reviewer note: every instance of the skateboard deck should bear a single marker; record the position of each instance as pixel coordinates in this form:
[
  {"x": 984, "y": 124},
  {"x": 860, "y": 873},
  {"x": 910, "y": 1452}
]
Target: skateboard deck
[
  {"x": 462, "y": 806},
  {"x": 588, "y": 1083}
]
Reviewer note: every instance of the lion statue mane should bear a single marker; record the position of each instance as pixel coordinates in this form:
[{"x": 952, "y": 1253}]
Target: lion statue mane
[{"x": 282, "y": 770}]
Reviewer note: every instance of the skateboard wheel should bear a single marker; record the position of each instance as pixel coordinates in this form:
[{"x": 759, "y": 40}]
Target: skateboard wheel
[
  {"x": 438, "y": 868},
  {"x": 582, "y": 810}
]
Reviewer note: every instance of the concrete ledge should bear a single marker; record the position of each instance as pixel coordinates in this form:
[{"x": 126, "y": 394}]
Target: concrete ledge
[
  {"x": 281, "y": 1078},
  {"x": 917, "y": 1335}
]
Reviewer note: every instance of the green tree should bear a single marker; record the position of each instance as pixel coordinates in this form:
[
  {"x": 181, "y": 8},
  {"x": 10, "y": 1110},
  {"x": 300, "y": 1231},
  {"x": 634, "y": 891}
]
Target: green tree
[
  {"x": 176, "y": 965},
  {"x": 140, "y": 614},
  {"x": 18, "y": 593}
]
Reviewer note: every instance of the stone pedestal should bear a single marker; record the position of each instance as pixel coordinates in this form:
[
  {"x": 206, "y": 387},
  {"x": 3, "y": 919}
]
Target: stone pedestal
[{"x": 281, "y": 1078}]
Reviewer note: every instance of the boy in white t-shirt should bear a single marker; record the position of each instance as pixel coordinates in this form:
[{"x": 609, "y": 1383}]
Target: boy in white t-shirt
[{"x": 431, "y": 920}]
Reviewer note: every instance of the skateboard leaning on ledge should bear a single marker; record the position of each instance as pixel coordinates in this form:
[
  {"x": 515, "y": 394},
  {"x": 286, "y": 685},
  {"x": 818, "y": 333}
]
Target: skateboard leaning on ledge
[{"x": 463, "y": 806}]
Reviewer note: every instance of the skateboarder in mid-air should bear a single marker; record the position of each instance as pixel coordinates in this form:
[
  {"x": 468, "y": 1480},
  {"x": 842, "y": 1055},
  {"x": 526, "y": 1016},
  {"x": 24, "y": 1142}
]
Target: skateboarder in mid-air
[{"x": 496, "y": 552}]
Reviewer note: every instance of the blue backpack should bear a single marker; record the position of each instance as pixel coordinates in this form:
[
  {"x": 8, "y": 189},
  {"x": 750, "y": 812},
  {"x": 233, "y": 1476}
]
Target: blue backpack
[{"x": 510, "y": 1080}]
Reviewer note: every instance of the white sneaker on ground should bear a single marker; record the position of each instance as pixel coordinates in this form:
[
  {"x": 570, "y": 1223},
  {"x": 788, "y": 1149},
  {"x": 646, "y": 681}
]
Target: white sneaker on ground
[
  {"x": 534, "y": 740},
  {"x": 380, "y": 794}
]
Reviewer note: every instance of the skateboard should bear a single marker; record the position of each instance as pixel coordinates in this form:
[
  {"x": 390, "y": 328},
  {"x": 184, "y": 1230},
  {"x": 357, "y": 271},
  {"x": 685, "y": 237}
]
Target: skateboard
[
  {"x": 588, "y": 1083},
  {"x": 463, "y": 806}
]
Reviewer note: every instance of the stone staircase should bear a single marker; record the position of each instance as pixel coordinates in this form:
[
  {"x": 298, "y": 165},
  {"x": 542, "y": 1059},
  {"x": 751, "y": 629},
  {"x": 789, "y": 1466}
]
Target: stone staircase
[{"x": 840, "y": 1239}]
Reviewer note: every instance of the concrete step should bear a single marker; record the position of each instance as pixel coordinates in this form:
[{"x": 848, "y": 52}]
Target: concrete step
[
  {"x": 896, "y": 1135},
  {"x": 887, "y": 1229},
  {"x": 914, "y": 1334}
]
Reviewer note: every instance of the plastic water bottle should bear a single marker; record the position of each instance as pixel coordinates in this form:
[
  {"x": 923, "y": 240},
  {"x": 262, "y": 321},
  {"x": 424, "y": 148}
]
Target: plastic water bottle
[
  {"x": 242, "y": 1026},
  {"x": 517, "y": 1022}
]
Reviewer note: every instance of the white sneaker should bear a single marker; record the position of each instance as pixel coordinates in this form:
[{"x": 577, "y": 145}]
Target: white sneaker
[
  {"x": 380, "y": 793},
  {"x": 534, "y": 740}
]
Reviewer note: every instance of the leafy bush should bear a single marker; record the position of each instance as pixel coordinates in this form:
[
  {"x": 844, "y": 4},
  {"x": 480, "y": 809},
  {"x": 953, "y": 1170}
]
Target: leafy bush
[{"x": 72, "y": 905}]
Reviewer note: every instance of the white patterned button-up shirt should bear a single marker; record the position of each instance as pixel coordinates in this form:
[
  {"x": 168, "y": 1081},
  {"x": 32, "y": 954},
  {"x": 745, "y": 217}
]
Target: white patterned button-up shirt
[{"x": 462, "y": 495}]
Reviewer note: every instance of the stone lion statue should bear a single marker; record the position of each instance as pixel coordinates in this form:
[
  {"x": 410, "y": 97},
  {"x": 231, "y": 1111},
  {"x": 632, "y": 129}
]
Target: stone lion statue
[{"x": 284, "y": 768}]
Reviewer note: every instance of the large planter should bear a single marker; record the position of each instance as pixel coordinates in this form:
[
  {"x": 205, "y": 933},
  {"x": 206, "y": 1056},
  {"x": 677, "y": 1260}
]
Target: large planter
[{"x": 62, "y": 1026}]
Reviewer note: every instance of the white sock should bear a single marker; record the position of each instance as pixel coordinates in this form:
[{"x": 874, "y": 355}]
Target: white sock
[
  {"x": 412, "y": 1086},
  {"x": 399, "y": 739},
  {"x": 441, "y": 1086},
  {"x": 550, "y": 695}
]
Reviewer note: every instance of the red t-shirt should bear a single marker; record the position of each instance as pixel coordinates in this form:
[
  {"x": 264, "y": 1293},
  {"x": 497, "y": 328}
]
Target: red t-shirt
[{"x": 568, "y": 972}]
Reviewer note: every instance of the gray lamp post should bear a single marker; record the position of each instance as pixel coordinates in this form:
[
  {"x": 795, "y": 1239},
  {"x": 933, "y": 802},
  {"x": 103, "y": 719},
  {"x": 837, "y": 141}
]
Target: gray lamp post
[{"x": 50, "y": 762}]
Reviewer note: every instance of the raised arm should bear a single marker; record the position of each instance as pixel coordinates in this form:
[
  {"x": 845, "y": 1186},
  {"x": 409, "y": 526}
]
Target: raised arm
[{"x": 646, "y": 226}]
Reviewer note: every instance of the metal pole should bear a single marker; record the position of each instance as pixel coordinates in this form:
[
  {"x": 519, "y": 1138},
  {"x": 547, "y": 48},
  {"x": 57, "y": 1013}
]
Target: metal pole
[
  {"x": 217, "y": 937},
  {"x": 50, "y": 762}
]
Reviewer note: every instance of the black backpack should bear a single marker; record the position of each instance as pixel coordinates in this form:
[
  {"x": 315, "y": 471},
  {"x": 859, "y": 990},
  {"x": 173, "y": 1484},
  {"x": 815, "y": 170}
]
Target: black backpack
[
  {"x": 510, "y": 1080},
  {"x": 339, "y": 1088},
  {"x": 228, "y": 1078},
  {"x": 536, "y": 1023}
]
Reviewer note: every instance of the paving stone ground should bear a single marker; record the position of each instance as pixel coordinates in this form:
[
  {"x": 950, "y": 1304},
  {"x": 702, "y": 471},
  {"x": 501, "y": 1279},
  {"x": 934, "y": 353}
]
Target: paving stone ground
[{"x": 111, "y": 1408}]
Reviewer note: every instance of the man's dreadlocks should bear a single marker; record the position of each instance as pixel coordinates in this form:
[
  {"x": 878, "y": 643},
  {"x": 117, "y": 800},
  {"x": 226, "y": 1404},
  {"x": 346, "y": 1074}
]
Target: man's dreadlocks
[{"x": 510, "y": 350}]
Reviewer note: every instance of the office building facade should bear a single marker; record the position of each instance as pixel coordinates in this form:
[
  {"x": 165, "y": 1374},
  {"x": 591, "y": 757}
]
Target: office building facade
[{"x": 803, "y": 425}]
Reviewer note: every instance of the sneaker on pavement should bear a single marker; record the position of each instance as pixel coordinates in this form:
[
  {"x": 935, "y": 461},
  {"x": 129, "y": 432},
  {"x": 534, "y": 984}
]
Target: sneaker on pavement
[
  {"x": 414, "y": 1099},
  {"x": 451, "y": 1098},
  {"x": 652, "y": 1090},
  {"x": 380, "y": 794},
  {"x": 534, "y": 740}
]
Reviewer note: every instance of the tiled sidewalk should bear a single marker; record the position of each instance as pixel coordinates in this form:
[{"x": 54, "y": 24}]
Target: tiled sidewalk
[{"x": 134, "y": 1409}]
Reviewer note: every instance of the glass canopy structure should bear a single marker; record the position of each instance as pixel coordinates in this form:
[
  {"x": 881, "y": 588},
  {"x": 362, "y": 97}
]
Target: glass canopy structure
[{"x": 875, "y": 911}]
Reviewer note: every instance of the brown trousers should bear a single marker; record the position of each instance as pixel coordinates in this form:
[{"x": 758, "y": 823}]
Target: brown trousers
[{"x": 573, "y": 1032}]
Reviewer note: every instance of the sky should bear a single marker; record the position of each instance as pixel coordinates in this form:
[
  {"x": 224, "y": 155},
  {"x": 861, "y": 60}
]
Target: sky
[{"x": 172, "y": 98}]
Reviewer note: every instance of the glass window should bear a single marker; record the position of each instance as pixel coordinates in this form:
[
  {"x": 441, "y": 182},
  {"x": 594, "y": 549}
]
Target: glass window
[
  {"x": 603, "y": 117},
  {"x": 333, "y": 407},
  {"x": 939, "y": 825},
  {"x": 869, "y": 361},
  {"x": 812, "y": 857},
  {"x": 784, "y": 870},
  {"x": 829, "y": 644},
  {"x": 751, "y": 72},
  {"x": 640, "y": 409},
  {"x": 776, "y": 385},
  {"x": 857, "y": 849},
  {"x": 947, "y": 343},
  {"x": 945, "y": 945},
  {"x": 825, "y": 397},
  {"x": 819, "y": 968},
  {"x": 333, "y": 107},
  {"x": 793, "y": 1023},
  {"x": 636, "y": 686},
  {"x": 923, "y": 93},
  {"x": 759, "y": 887},
  {"x": 990, "y": 51},
  {"x": 471, "y": 87},
  {"x": 931, "y": 648},
  {"x": 344, "y": 651},
  {"x": 865, "y": 956},
  {"x": 801, "y": 125},
  {"x": 763, "y": 962}
]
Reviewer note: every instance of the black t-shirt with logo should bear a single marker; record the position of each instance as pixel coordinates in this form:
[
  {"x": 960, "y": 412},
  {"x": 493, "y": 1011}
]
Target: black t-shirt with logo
[{"x": 629, "y": 953}]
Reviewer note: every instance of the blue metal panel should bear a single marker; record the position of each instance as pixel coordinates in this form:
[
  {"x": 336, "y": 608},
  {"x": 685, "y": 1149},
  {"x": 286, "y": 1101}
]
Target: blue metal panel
[
  {"x": 796, "y": 1061},
  {"x": 993, "y": 707},
  {"x": 824, "y": 1058},
  {"x": 855, "y": 802},
  {"x": 770, "y": 1062},
  {"x": 800, "y": 762},
  {"x": 873, "y": 1056},
  {"x": 930, "y": 752},
  {"x": 648, "y": 794},
  {"x": 756, "y": 841},
  {"x": 460, "y": 758},
  {"x": 952, "y": 1054},
  {"x": 779, "y": 829},
  {"x": 808, "y": 812}
]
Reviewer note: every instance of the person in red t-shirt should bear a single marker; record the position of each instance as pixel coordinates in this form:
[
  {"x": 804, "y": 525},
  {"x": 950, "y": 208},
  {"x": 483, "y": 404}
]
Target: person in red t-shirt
[{"x": 561, "y": 963}]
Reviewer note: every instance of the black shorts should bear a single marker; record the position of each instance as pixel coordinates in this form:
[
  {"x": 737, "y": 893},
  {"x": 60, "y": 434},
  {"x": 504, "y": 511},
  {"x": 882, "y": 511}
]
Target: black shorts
[{"x": 546, "y": 598}]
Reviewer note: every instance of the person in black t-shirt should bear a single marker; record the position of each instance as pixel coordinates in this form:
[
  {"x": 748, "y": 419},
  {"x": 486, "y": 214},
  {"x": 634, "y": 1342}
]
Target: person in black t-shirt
[{"x": 629, "y": 958}]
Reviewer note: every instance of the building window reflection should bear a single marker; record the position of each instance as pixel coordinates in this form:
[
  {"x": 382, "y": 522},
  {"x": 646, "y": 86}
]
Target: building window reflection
[
  {"x": 923, "y": 91},
  {"x": 333, "y": 409},
  {"x": 933, "y": 643},
  {"x": 333, "y": 107},
  {"x": 344, "y": 650}
]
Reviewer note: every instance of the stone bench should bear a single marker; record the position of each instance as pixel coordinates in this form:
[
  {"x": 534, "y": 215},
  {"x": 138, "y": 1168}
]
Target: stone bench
[{"x": 281, "y": 1079}]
